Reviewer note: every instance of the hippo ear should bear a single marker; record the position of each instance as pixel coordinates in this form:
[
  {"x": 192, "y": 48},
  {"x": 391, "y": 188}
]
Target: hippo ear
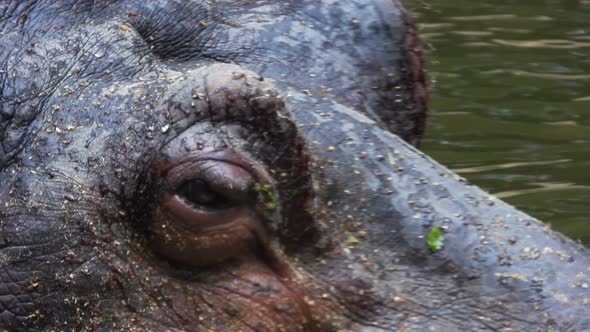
[
  {"x": 395, "y": 91},
  {"x": 375, "y": 68},
  {"x": 413, "y": 78}
]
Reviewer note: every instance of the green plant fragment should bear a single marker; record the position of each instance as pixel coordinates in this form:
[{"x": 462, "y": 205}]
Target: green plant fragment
[
  {"x": 268, "y": 194},
  {"x": 435, "y": 239}
]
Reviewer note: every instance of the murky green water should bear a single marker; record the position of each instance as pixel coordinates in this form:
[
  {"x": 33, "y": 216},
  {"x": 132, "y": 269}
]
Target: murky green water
[{"x": 510, "y": 105}]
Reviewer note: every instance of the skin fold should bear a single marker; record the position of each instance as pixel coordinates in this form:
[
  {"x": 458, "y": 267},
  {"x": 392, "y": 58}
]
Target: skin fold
[{"x": 248, "y": 166}]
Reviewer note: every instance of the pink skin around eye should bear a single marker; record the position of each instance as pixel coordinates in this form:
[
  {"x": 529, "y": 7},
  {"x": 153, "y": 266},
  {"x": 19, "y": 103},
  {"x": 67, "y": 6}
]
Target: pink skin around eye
[
  {"x": 194, "y": 219},
  {"x": 199, "y": 236}
]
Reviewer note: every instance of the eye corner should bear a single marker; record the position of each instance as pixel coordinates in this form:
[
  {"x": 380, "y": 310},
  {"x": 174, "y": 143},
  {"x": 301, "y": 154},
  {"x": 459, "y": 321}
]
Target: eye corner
[{"x": 161, "y": 168}]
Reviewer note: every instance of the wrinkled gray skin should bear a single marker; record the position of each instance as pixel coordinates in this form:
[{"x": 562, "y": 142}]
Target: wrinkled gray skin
[{"x": 97, "y": 98}]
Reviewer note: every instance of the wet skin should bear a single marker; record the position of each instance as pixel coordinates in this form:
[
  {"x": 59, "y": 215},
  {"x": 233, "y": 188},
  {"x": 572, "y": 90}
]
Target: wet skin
[{"x": 244, "y": 166}]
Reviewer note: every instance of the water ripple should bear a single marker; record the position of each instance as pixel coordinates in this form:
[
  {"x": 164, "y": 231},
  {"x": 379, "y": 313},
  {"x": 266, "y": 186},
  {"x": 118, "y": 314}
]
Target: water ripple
[
  {"x": 543, "y": 43},
  {"x": 517, "y": 72},
  {"x": 487, "y": 168},
  {"x": 543, "y": 187}
]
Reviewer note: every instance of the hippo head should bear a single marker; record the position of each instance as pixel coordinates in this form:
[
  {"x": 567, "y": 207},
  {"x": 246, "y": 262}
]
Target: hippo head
[{"x": 243, "y": 166}]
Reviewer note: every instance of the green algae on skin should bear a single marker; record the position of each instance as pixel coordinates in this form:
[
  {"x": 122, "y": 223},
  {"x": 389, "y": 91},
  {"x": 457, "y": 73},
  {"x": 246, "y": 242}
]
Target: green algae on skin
[
  {"x": 294, "y": 192},
  {"x": 435, "y": 239},
  {"x": 269, "y": 197}
]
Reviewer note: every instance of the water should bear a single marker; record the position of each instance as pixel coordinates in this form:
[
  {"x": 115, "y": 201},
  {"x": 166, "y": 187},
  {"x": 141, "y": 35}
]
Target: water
[{"x": 510, "y": 107}]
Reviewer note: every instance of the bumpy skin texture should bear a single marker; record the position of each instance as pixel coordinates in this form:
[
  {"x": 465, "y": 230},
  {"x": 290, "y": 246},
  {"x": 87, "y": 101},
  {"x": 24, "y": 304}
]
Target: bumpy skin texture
[{"x": 101, "y": 101}]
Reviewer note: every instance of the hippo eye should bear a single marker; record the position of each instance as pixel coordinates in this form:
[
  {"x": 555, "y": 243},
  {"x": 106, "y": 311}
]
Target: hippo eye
[
  {"x": 200, "y": 194},
  {"x": 207, "y": 191},
  {"x": 210, "y": 210}
]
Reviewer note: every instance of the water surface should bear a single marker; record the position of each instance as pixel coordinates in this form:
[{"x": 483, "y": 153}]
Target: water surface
[{"x": 510, "y": 107}]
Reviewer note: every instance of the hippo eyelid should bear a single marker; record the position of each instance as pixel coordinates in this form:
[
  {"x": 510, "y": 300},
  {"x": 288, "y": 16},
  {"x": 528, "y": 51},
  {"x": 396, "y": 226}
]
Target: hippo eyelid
[
  {"x": 226, "y": 180},
  {"x": 210, "y": 210}
]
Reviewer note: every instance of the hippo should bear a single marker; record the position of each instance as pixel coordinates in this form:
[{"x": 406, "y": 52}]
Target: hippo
[{"x": 220, "y": 165}]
